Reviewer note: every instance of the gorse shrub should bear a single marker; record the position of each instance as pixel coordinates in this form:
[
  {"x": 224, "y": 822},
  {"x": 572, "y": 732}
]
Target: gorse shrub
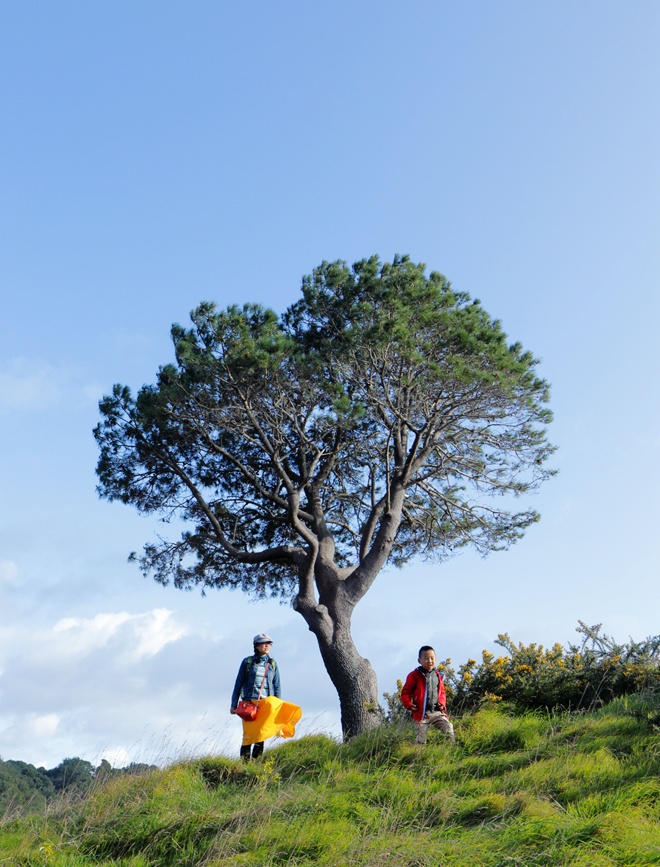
[{"x": 580, "y": 677}]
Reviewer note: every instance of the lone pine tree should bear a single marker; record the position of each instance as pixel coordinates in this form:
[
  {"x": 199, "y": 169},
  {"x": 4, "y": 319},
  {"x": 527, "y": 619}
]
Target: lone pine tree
[{"x": 382, "y": 417}]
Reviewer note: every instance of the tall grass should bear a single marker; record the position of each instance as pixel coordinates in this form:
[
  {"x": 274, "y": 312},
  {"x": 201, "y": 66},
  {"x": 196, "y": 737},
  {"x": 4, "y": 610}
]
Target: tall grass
[{"x": 530, "y": 789}]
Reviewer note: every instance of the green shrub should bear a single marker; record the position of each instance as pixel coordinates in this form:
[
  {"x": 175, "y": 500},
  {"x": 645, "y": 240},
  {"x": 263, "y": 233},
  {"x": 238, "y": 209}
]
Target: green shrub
[{"x": 579, "y": 677}]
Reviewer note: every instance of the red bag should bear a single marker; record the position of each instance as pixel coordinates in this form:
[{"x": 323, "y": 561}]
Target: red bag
[{"x": 246, "y": 710}]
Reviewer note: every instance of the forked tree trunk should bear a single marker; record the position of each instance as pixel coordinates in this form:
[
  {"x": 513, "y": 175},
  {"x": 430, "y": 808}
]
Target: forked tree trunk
[{"x": 328, "y": 616}]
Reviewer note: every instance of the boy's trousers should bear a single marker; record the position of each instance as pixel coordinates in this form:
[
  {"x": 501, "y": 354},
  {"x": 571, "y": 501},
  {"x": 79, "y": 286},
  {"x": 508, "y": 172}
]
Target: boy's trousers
[{"x": 438, "y": 720}]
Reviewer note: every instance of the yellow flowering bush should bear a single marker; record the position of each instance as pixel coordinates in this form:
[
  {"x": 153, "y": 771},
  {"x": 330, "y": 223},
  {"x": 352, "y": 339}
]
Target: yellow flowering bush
[{"x": 580, "y": 676}]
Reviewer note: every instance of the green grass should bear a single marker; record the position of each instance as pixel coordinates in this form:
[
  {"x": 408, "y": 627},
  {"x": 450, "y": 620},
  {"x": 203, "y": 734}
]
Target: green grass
[{"x": 517, "y": 791}]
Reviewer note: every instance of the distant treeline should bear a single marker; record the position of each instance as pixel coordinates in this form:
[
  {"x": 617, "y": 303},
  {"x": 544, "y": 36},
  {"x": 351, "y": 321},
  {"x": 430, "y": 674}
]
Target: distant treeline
[{"x": 23, "y": 785}]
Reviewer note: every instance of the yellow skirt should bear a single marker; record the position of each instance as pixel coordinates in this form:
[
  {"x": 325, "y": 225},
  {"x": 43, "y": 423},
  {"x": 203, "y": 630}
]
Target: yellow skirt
[{"x": 276, "y": 718}]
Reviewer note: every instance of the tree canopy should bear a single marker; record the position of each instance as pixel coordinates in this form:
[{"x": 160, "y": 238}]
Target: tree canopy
[{"x": 382, "y": 417}]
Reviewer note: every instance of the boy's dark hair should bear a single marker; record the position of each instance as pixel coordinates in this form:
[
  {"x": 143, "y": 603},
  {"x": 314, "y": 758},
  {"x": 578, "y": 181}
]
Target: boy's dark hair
[{"x": 425, "y": 647}]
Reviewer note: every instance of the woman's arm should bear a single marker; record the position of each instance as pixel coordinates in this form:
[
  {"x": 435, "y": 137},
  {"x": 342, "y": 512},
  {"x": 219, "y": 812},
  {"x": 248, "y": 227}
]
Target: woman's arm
[
  {"x": 238, "y": 686},
  {"x": 277, "y": 690}
]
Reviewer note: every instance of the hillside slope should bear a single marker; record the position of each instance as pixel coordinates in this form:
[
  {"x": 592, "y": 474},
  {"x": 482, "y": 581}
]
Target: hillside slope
[{"x": 527, "y": 790}]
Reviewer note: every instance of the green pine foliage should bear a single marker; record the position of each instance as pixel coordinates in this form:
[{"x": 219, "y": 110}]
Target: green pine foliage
[{"x": 527, "y": 789}]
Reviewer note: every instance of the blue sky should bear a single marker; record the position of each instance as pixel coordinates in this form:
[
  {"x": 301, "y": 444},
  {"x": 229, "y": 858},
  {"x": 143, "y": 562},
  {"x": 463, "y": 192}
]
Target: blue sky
[{"x": 154, "y": 155}]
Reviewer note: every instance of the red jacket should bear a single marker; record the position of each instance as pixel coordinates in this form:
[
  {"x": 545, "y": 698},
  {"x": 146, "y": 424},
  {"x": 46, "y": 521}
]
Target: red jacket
[{"x": 414, "y": 693}]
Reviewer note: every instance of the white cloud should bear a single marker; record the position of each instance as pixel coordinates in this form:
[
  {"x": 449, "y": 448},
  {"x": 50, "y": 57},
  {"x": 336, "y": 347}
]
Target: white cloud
[
  {"x": 33, "y": 385},
  {"x": 7, "y": 640},
  {"x": 28, "y": 727},
  {"x": 30, "y": 384},
  {"x": 565, "y": 511},
  {"x": 8, "y": 572},
  {"x": 84, "y": 635},
  {"x": 42, "y": 726},
  {"x": 118, "y": 757},
  {"x": 155, "y": 630},
  {"x": 90, "y": 685},
  {"x": 143, "y": 635}
]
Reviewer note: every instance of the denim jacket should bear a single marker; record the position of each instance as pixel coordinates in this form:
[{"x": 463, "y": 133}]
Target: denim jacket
[{"x": 245, "y": 680}]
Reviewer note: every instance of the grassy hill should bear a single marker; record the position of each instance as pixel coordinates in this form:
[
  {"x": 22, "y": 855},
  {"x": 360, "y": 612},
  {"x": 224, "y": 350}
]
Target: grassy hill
[{"x": 530, "y": 789}]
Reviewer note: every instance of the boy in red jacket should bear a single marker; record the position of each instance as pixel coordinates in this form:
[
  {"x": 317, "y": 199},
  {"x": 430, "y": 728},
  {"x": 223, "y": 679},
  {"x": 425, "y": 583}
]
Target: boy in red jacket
[{"x": 424, "y": 694}]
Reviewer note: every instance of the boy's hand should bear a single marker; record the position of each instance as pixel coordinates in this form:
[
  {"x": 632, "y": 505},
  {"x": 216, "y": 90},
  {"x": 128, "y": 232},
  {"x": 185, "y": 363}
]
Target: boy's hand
[{"x": 413, "y": 706}]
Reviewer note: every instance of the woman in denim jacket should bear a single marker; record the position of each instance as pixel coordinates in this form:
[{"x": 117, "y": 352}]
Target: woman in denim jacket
[{"x": 258, "y": 677}]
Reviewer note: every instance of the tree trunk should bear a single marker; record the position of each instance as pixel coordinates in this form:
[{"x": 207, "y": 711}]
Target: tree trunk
[
  {"x": 353, "y": 678},
  {"x": 329, "y": 619}
]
